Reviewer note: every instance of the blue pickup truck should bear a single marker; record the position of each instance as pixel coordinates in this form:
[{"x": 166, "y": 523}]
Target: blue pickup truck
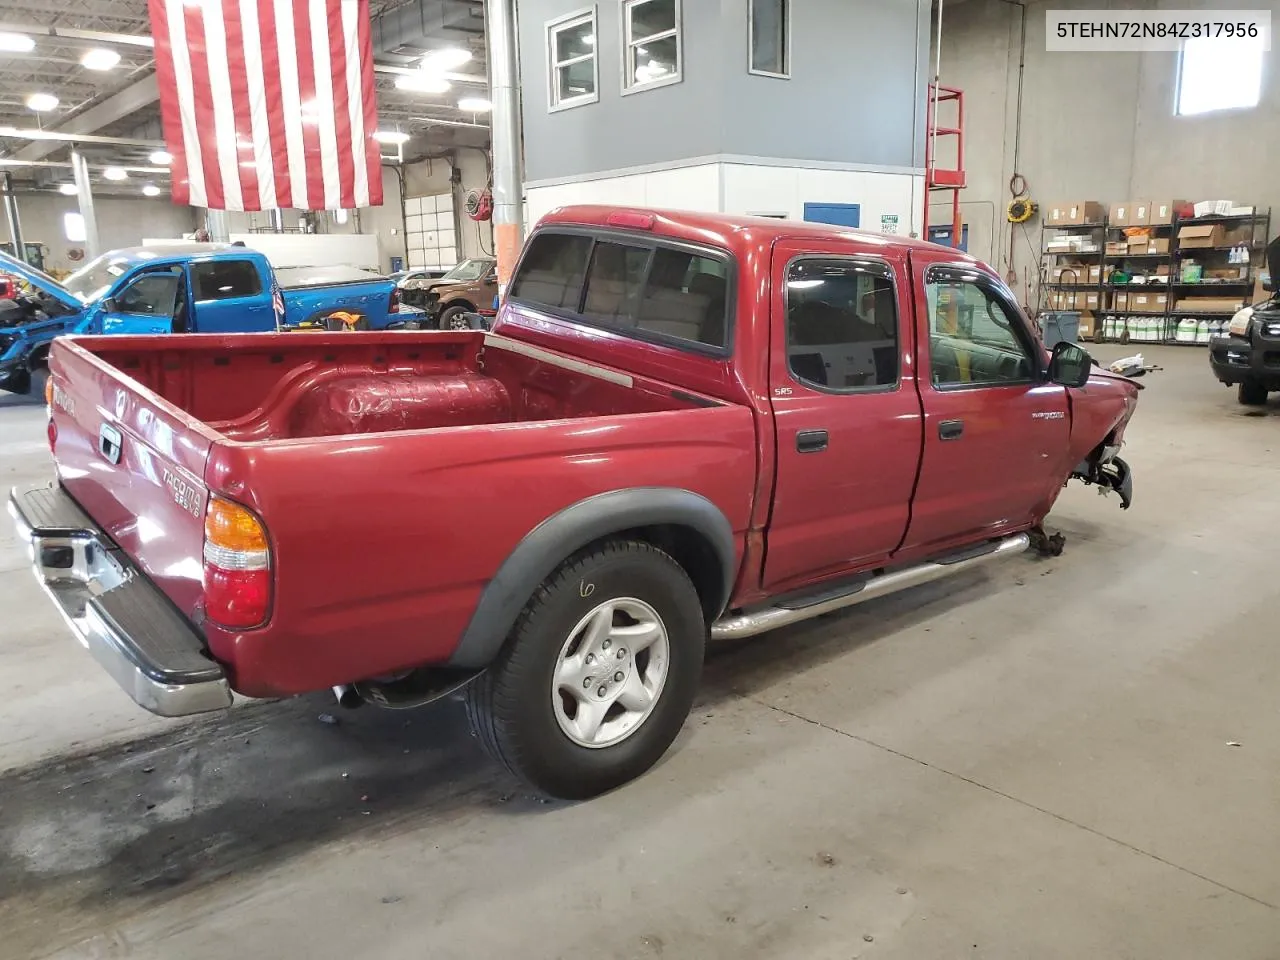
[{"x": 183, "y": 288}]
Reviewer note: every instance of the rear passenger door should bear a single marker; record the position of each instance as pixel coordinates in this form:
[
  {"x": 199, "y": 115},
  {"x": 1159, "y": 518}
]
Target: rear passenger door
[
  {"x": 995, "y": 429},
  {"x": 846, "y": 411},
  {"x": 229, "y": 296}
]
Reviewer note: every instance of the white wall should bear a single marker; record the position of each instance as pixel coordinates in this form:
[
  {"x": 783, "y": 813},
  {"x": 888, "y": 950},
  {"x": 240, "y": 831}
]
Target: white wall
[
  {"x": 428, "y": 178},
  {"x": 742, "y": 188},
  {"x": 122, "y": 222}
]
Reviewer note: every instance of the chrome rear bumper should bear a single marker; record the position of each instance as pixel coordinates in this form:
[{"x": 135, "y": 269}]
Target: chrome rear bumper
[{"x": 129, "y": 626}]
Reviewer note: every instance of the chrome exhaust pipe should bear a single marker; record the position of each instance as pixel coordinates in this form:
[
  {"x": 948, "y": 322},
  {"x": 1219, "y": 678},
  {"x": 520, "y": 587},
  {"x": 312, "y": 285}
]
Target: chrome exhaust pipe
[
  {"x": 770, "y": 618},
  {"x": 347, "y": 696}
]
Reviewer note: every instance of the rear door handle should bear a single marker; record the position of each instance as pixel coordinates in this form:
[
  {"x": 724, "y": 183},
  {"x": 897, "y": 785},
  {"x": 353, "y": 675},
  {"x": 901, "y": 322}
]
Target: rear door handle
[
  {"x": 811, "y": 441},
  {"x": 950, "y": 429}
]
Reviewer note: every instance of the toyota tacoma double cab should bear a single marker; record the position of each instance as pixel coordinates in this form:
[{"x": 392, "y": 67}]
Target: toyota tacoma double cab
[{"x": 682, "y": 427}]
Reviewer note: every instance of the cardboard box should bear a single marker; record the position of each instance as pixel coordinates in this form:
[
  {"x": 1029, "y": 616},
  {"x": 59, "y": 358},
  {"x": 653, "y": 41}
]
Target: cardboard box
[
  {"x": 1242, "y": 234},
  {"x": 1071, "y": 213},
  {"x": 1117, "y": 248},
  {"x": 1092, "y": 300},
  {"x": 1200, "y": 236},
  {"x": 1139, "y": 244},
  {"x": 1095, "y": 273},
  {"x": 1069, "y": 273},
  {"x": 1158, "y": 245},
  {"x": 1120, "y": 214},
  {"x": 1120, "y": 300},
  {"x": 1144, "y": 301},
  {"x": 1139, "y": 212},
  {"x": 1088, "y": 326},
  {"x": 1209, "y": 304},
  {"x": 1164, "y": 211}
]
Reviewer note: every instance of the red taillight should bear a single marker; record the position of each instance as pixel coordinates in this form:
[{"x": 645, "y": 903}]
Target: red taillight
[
  {"x": 394, "y": 305},
  {"x": 237, "y": 566},
  {"x": 52, "y": 431}
]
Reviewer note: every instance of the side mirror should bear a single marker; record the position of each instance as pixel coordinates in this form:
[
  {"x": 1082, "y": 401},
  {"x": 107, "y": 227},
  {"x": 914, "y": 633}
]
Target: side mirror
[
  {"x": 1069, "y": 365},
  {"x": 108, "y": 305}
]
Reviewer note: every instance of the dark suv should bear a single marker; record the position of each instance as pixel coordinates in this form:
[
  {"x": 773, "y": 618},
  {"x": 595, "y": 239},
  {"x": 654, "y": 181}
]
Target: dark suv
[{"x": 1248, "y": 357}]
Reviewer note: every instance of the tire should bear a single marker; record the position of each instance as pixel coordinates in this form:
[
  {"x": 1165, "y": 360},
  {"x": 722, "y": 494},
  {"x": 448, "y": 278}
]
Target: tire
[
  {"x": 19, "y": 381},
  {"x": 454, "y": 318},
  {"x": 518, "y": 707},
  {"x": 1252, "y": 393}
]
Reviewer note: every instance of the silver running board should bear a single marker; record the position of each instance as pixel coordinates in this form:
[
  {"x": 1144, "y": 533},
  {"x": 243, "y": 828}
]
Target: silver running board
[{"x": 770, "y": 618}]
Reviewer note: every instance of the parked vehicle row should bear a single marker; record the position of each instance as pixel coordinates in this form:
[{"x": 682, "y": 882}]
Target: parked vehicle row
[
  {"x": 681, "y": 427},
  {"x": 181, "y": 288}
]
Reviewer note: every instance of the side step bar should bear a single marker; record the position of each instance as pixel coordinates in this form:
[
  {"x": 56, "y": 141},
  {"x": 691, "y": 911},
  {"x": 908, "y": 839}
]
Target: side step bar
[{"x": 770, "y": 618}]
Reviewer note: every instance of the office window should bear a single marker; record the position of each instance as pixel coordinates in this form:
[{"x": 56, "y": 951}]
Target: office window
[
  {"x": 1219, "y": 75},
  {"x": 73, "y": 227},
  {"x": 842, "y": 325},
  {"x": 651, "y": 44},
  {"x": 974, "y": 340},
  {"x": 225, "y": 280},
  {"x": 769, "y": 37},
  {"x": 571, "y": 55}
]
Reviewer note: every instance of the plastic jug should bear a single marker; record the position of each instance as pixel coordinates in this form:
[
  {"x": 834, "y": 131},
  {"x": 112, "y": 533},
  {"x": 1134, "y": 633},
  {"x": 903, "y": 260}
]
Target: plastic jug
[
  {"x": 1202, "y": 332},
  {"x": 1186, "y": 331}
]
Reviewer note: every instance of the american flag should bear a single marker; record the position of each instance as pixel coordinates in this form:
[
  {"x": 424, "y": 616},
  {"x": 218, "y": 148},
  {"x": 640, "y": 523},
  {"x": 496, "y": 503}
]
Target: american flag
[{"x": 268, "y": 103}]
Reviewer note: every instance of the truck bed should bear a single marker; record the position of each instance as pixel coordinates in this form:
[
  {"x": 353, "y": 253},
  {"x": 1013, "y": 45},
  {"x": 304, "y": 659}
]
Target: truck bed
[
  {"x": 316, "y": 386},
  {"x": 434, "y": 453}
]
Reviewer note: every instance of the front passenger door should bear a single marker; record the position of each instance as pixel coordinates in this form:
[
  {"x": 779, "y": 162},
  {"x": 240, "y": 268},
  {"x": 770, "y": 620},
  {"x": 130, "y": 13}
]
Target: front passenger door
[
  {"x": 145, "y": 304},
  {"x": 995, "y": 430}
]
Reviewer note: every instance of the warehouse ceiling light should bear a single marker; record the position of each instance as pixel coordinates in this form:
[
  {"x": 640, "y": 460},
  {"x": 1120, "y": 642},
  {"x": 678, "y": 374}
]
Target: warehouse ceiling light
[
  {"x": 67, "y": 189},
  {"x": 99, "y": 58},
  {"x": 161, "y": 158},
  {"x": 151, "y": 190},
  {"x": 475, "y": 105},
  {"x": 116, "y": 173},
  {"x": 16, "y": 43},
  {"x": 450, "y": 58},
  {"x": 391, "y": 136},
  {"x": 421, "y": 82},
  {"x": 41, "y": 102}
]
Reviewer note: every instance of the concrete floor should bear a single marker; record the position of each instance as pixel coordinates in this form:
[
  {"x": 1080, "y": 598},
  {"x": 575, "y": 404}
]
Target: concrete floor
[{"x": 1077, "y": 757}]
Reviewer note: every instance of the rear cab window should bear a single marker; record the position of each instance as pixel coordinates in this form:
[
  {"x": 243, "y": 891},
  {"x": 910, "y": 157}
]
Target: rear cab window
[
  {"x": 652, "y": 289},
  {"x": 225, "y": 280}
]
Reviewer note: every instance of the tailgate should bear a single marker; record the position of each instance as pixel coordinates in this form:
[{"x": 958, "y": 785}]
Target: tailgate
[{"x": 135, "y": 464}]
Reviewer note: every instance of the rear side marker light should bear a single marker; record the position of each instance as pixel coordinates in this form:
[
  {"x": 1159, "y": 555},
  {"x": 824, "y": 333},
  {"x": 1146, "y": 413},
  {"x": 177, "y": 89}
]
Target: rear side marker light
[{"x": 237, "y": 565}]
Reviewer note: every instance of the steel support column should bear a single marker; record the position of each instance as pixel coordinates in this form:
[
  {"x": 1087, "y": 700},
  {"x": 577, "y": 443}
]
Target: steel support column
[
  {"x": 80, "y": 170},
  {"x": 15, "y": 222},
  {"x": 504, "y": 91}
]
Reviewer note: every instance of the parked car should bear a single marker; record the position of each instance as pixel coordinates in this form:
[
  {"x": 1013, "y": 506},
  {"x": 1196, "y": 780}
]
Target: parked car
[
  {"x": 401, "y": 277},
  {"x": 181, "y": 288},
  {"x": 470, "y": 287},
  {"x": 682, "y": 426},
  {"x": 1247, "y": 356}
]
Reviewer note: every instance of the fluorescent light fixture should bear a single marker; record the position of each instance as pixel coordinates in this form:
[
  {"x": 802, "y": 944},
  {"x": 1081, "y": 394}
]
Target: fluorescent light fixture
[
  {"x": 99, "y": 58},
  {"x": 391, "y": 136},
  {"x": 450, "y": 58},
  {"x": 161, "y": 158},
  {"x": 475, "y": 105},
  {"x": 40, "y": 102},
  {"x": 150, "y": 190},
  {"x": 115, "y": 173},
  {"x": 16, "y": 43},
  {"x": 419, "y": 82},
  {"x": 67, "y": 189}
]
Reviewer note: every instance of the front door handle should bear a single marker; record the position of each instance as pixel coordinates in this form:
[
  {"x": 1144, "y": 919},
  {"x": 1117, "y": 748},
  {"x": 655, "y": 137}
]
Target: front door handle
[
  {"x": 811, "y": 441},
  {"x": 950, "y": 429}
]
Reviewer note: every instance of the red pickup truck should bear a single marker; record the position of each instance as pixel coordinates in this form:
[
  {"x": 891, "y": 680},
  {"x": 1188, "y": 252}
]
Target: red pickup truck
[{"x": 681, "y": 427}]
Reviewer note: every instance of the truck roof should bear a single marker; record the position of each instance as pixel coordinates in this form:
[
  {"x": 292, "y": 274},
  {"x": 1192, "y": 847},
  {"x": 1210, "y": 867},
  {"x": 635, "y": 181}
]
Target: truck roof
[
  {"x": 179, "y": 249},
  {"x": 727, "y": 230}
]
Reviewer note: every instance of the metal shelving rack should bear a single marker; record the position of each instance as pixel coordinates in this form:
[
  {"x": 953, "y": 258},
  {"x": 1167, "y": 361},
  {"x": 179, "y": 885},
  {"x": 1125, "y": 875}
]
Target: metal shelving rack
[
  {"x": 1260, "y": 223},
  {"x": 1049, "y": 259}
]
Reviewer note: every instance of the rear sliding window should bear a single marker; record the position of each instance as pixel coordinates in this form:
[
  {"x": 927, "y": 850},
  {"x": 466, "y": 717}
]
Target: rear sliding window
[{"x": 664, "y": 291}]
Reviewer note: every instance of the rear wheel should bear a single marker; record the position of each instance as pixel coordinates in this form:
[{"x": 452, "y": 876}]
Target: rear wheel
[
  {"x": 1252, "y": 393},
  {"x": 598, "y": 674}
]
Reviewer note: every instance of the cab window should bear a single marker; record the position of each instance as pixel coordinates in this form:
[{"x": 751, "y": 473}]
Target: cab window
[
  {"x": 974, "y": 338},
  {"x": 842, "y": 324},
  {"x": 225, "y": 280},
  {"x": 152, "y": 295}
]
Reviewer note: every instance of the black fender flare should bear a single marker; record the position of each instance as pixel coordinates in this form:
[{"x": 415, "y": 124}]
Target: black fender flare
[{"x": 558, "y": 537}]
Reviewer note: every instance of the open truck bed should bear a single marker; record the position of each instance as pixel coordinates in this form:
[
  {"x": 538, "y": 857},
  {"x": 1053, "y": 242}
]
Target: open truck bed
[{"x": 355, "y": 442}]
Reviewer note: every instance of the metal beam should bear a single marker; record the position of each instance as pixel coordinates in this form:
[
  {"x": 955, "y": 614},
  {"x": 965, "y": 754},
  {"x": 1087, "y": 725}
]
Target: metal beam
[
  {"x": 59, "y": 136},
  {"x": 504, "y": 92},
  {"x": 85, "y": 195},
  {"x": 79, "y": 38},
  {"x": 117, "y": 106}
]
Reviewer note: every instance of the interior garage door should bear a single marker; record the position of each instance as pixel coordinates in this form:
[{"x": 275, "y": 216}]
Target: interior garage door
[{"x": 430, "y": 232}]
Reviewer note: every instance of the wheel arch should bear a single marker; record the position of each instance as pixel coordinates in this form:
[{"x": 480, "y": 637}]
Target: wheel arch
[
  {"x": 685, "y": 524},
  {"x": 458, "y": 302}
]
